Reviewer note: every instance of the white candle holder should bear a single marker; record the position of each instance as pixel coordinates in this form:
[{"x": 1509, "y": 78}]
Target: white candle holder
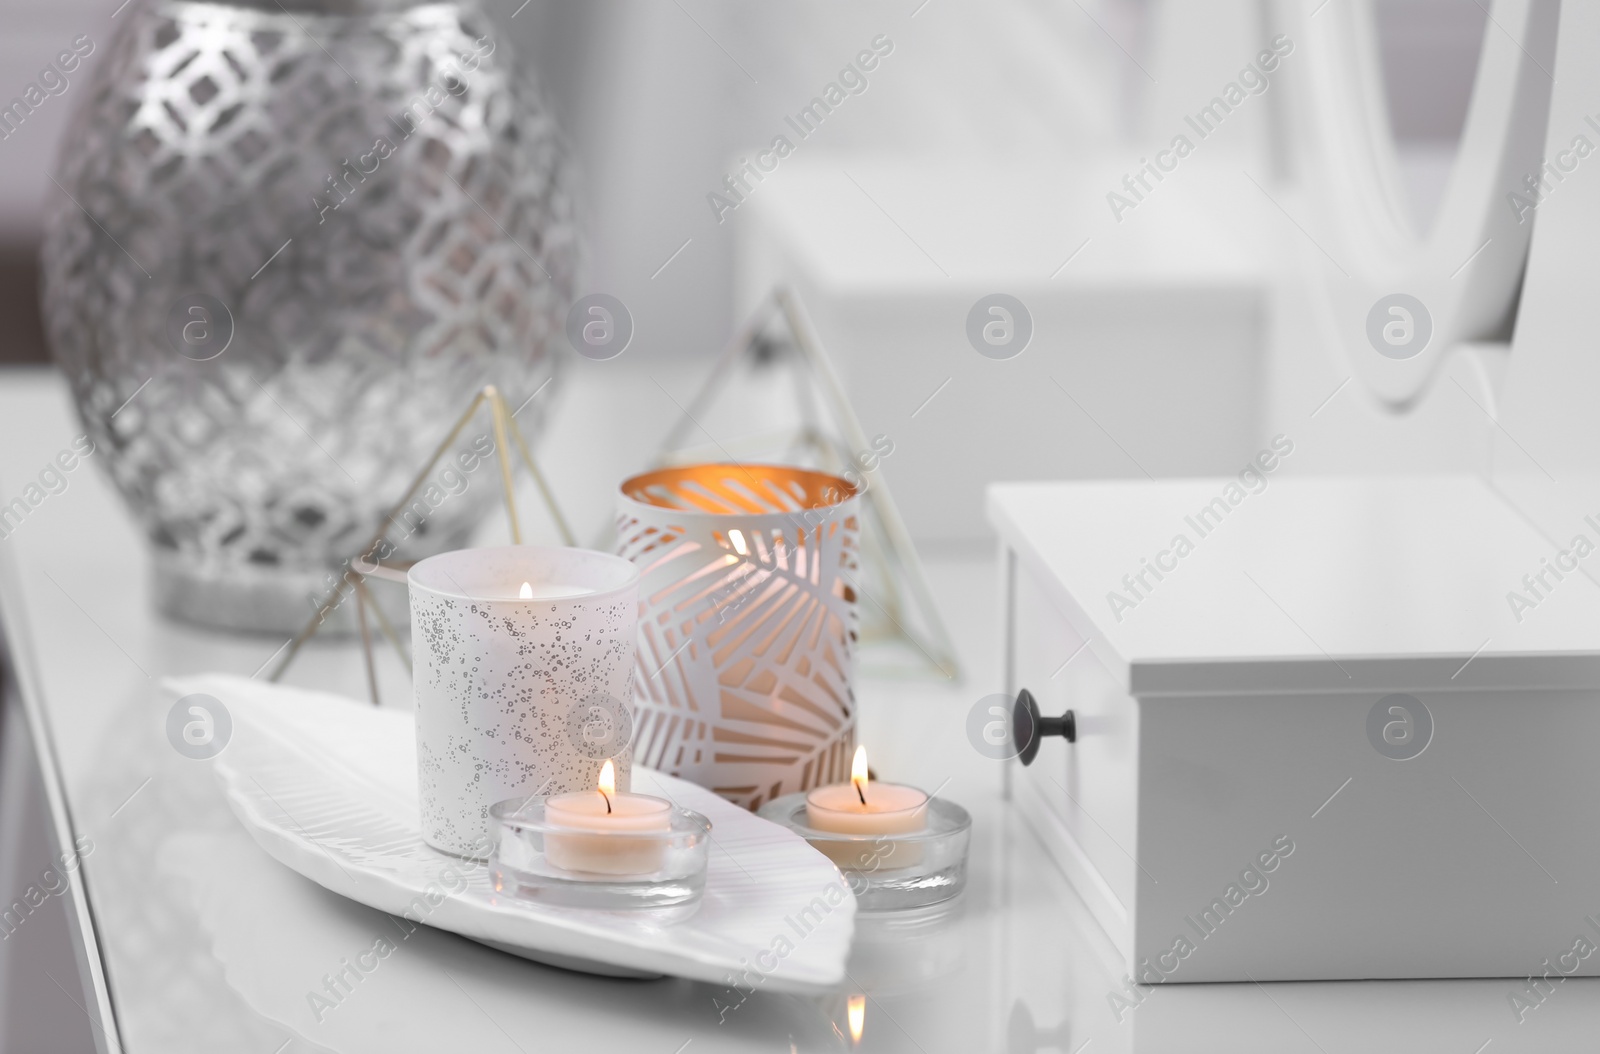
[
  {"x": 893, "y": 871},
  {"x": 747, "y": 625},
  {"x": 527, "y": 851},
  {"x": 504, "y": 684}
]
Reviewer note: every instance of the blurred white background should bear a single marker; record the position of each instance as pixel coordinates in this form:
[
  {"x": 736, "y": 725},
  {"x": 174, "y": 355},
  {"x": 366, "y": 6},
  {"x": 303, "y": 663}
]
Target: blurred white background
[{"x": 658, "y": 97}]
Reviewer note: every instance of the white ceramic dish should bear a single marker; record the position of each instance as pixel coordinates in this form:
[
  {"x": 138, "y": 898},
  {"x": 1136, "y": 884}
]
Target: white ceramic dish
[{"x": 328, "y": 787}]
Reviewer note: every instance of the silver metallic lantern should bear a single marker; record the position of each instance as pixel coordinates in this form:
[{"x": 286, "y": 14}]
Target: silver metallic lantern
[{"x": 288, "y": 247}]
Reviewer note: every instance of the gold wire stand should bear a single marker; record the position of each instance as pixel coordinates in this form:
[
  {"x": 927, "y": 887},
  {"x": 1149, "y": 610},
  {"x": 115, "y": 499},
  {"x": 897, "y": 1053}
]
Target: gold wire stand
[{"x": 505, "y": 428}]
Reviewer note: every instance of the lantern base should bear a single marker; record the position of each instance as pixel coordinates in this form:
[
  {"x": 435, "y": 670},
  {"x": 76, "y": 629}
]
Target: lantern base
[{"x": 270, "y": 601}]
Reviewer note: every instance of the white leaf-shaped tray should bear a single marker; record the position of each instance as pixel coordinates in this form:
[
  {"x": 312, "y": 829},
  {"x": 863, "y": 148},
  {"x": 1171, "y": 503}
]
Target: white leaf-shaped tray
[{"x": 328, "y": 787}]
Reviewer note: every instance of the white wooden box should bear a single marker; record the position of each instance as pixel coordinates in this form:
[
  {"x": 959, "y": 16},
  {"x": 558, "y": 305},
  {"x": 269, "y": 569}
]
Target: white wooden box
[
  {"x": 1146, "y": 350},
  {"x": 1225, "y": 812}
]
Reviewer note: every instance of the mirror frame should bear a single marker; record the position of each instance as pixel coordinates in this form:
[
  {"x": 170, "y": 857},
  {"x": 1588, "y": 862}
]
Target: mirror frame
[{"x": 1466, "y": 270}]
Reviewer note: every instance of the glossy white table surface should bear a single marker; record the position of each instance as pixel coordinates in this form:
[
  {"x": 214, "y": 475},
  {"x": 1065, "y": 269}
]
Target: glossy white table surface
[{"x": 210, "y": 945}]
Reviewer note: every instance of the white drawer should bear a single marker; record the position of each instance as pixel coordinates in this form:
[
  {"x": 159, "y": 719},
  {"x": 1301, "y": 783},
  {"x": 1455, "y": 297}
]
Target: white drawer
[
  {"x": 1080, "y": 798},
  {"x": 1236, "y": 815}
]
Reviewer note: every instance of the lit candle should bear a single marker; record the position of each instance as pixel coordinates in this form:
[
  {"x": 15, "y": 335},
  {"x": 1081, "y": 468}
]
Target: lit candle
[
  {"x": 508, "y": 643},
  {"x": 863, "y": 808},
  {"x": 550, "y": 591},
  {"x": 598, "y": 817}
]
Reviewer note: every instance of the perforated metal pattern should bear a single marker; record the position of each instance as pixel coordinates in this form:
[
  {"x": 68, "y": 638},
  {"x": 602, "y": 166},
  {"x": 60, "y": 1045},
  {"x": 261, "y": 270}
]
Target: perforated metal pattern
[{"x": 203, "y": 159}]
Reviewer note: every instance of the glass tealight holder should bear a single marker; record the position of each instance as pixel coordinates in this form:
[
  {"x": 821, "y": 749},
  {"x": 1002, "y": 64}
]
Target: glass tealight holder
[
  {"x": 890, "y": 872},
  {"x": 535, "y": 860}
]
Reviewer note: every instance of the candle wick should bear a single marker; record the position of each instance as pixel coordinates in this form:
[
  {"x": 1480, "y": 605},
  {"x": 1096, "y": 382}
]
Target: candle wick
[
  {"x": 862, "y": 793},
  {"x": 608, "y": 800}
]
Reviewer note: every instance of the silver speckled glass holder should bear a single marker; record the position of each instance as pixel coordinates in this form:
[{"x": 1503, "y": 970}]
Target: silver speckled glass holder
[
  {"x": 890, "y": 872},
  {"x": 510, "y": 690}
]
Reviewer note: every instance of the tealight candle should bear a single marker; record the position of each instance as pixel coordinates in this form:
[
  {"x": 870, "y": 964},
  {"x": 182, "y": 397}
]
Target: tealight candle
[
  {"x": 550, "y": 591},
  {"x": 598, "y": 817},
  {"x": 863, "y": 808}
]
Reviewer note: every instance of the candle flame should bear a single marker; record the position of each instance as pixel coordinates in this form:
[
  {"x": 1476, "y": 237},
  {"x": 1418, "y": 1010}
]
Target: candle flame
[
  {"x": 858, "y": 772},
  {"x": 526, "y": 592},
  {"x": 608, "y": 783},
  {"x": 857, "y": 1011},
  {"x": 736, "y": 536}
]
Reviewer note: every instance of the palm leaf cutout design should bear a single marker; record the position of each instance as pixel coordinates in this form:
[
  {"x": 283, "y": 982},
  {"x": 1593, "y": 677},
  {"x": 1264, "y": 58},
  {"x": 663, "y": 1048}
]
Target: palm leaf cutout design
[{"x": 747, "y": 626}]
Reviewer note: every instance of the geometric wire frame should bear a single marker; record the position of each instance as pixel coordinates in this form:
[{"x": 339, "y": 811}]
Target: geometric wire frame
[
  {"x": 505, "y": 427},
  {"x": 886, "y": 545}
]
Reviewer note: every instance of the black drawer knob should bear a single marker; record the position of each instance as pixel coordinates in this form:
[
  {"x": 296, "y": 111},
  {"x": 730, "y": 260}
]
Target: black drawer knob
[{"x": 1028, "y": 727}]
